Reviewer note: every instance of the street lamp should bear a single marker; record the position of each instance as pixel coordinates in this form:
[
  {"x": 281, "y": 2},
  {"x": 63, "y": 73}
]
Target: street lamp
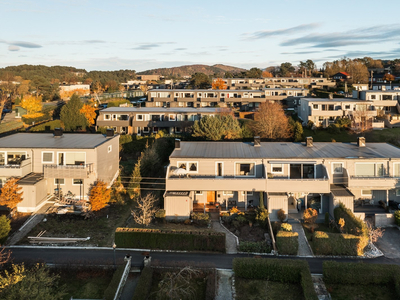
[{"x": 115, "y": 263}]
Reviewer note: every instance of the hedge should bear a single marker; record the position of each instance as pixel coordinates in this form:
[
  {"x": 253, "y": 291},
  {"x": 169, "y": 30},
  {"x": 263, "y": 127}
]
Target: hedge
[
  {"x": 170, "y": 239},
  {"x": 144, "y": 284},
  {"x": 48, "y": 126},
  {"x": 361, "y": 274},
  {"x": 29, "y": 121},
  {"x": 110, "y": 291},
  {"x": 285, "y": 271},
  {"x": 338, "y": 244},
  {"x": 287, "y": 242},
  {"x": 397, "y": 217},
  {"x": 257, "y": 247}
]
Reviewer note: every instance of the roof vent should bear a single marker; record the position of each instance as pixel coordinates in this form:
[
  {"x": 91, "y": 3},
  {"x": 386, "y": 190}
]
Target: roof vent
[
  {"x": 257, "y": 141},
  {"x": 309, "y": 141},
  {"x": 58, "y": 132},
  {"x": 177, "y": 144},
  {"x": 361, "y": 141},
  {"x": 110, "y": 132}
]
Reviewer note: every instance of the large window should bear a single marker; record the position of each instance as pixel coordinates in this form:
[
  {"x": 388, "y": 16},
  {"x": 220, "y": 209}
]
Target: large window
[
  {"x": 47, "y": 157},
  {"x": 337, "y": 168},
  {"x": 396, "y": 169},
  {"x": 59, "y": 181},
  {"x": 245, "y": 169},
  {"x": 190, "y": 167},
  {"x": 369, "y": 170}
]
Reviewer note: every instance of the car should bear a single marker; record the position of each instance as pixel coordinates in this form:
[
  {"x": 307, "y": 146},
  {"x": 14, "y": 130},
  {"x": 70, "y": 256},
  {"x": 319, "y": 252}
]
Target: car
[{"x": 6, "y": 110}]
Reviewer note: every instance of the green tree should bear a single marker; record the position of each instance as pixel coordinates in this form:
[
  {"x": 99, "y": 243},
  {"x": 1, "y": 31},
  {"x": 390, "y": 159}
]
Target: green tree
[
  {"x": 286, "y": 68},
  {"x": 5, "y": 228},
  {"x": 134, "y": 183},
  {"x": 228, "y": 75},
  {"x": 310, "y": 65},
  {"x": 254, "y": 73},
  {"x": 149, "y": 162},
  {"x": 36, "y": 283},
  {"x": 71, "y": 116},
  {"x": 200, "y": 81},
  {"x": 217, "y": 128}
]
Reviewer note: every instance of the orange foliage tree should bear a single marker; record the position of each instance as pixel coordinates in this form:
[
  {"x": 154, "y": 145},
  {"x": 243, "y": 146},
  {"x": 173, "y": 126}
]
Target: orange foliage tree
[
  {"x": 11, "y": 194},
  {"x": 310, "y": 216},
  {"x": 271, "y": 121},
  {"x": 219, "y": 84},
  {"x": 99, "y": 195},
  {"x": 388, "y": 77},
  {"x": 89, "y": 112},
  {"x": 32, "y": 103},
  {"x": 68, "y": 94},
  {"x": 267, "y": 74}
]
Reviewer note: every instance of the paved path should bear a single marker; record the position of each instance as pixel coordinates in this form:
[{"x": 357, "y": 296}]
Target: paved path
[
  {"x": 320, "y": 287},
  {"x": 130, "y": 286},
  {"x": 389, "y": 244},
  {"x": 230, "y": 240},
  {"x": 304, "y": 248},
  {"x": 224, "y": 285}
]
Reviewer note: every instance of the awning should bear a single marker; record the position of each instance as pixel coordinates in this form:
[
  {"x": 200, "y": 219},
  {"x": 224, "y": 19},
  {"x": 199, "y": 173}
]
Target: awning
[
  {"x": 292, "y": 162},
  {"x": 177, "y": 193}
]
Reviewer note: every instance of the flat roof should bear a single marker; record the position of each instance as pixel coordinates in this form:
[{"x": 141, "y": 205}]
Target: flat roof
[
  {"x": 162, "y": 109},
  {"x": 284, "y": 150},
  {"x": 47, "y": 140},
  {"x": 31, "y": 179},
  {"x": 336, "y": 100},
  {"x": 227, "y": 91}
]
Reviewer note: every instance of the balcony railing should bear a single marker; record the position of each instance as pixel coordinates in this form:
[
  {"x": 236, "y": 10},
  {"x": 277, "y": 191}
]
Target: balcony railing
[
  {"x": 67, "y": 171},
  {"x": 16, "y": 170}
]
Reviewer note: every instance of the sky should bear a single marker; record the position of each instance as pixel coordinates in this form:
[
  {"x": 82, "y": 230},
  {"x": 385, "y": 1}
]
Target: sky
[{"x": 143, "y": 35}]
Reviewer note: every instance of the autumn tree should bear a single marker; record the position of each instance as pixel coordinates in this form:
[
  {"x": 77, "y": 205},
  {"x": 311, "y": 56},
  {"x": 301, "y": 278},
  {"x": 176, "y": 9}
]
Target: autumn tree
[
  {"x": 217, "y": 128},
  {"x": 144, "y": 88},
  {"x": 134, "y": 182},
  {"x": 71, "y": 114},
  {"x": 99, "y": 195},
  {"x": 32, "y": 103},
  {"x": 68, "y": 94},
  {"x": 267, "y": 74},
  {"x": 89, "y": 112},
  {"x": 145, "y": 209},
  {"x": 388, "y": 77},
  {"x": 219, "y": 84},
  {"x": 271, "y": 121},
  {"x": 11, "y": 194}
]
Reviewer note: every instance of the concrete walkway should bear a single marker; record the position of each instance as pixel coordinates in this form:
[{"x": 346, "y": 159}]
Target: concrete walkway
[
  {"x": 224, "y": 285},
  {"x": 320, "y": 288},
  {"x": 230, "y": 239},
  {"x": 130, "y": 286},
  {"x": 304, "y": 247}
]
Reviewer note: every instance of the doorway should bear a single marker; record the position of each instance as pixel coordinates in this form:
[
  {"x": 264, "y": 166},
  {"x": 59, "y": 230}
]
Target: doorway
[{"x": 210, "y": 197}]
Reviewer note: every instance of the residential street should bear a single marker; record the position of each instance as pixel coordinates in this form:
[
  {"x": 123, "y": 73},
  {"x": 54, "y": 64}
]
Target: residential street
[{"x": 105, "y": 257}]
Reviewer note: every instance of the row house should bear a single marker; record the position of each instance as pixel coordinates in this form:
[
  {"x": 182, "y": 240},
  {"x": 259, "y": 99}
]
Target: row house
[
  {"x": 291, "y": 176},
  {"x": 242, "y": 99},
  {"x": 148, "y": 120},
  {"x": 67, "y": 162},
  {"x": 323, "y": 112},
  {"x": 387, "y": 100}
]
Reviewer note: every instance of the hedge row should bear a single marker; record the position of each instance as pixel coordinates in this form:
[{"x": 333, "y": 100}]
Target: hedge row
[
  {"x": 110, "y": 291},
  {"x": 287, "y": 242},
  {"x": 323, "y": 94},
  {"x": 144, "y": 284},
  {"x": 29, "y": 121},
  {"x": 338, "y": 244},
  {"x": 170, "y": 239},
  {"x": 353, "y": 225},
  {"x": 48, "y": 126},
  {"x": 362, "y": 274},
  {"x": 285, "y": 271}
]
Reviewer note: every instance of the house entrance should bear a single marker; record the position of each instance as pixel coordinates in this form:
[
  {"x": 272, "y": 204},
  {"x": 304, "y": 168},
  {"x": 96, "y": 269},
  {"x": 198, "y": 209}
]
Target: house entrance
[{"x": 210, "y": 196}]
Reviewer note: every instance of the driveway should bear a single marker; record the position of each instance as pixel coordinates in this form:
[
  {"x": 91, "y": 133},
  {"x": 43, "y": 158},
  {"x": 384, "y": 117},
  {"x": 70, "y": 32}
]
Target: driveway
[{"x": 389, "y": 244}]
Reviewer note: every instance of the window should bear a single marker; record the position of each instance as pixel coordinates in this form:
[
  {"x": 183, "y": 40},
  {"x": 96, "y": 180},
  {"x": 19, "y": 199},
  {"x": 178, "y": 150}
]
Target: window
[
  {"x": 107, "y": 117},
  {"x": 145, "y": 130},
  {"x": 47, "y": 157},
  {"x": 77, "y": 181},
  {"x": 315, "y": 106},
  {"x": 366, "y": 192},
  {"x": 373, "y": 97},
  {"x": 396, "y": 169},
  {"x": 337, "y": 168},
  {"x": 370, "y": 170},
  {"x": 230, "y": 193},
  {"x": 172, "y": 117},
  {"x": 397, "y": 192},
  {"x": 139, "y": 117},
  {"x": 219, "y": 167},
  {"x": 277, "y": 168},
  {"x": 191, "y": 167},
  {"x": 199, "y": 192},
  {"x": 247, "y": 192},
  {"x": 347, "y": 107},
  {"x": 109, "y": 149},
  {"x": 178, "y": 130},
  {"x": 59, "y": 181},
  {"x": 245, "y": 169}
]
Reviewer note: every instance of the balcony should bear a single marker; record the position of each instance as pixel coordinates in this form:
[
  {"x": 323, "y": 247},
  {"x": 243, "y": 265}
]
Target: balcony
[
  {"x": 67, "y": 171},
  {"x": 327, "y": 113},
  {"x": 16, "y": 170},
  {"x": 373, "y": 182}
]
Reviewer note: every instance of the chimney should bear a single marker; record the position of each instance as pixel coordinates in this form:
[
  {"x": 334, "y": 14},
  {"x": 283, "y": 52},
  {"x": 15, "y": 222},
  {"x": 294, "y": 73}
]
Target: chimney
[
  {"x": 361, "y": 141},
  {"x": 309, "y": 141},
  {"x": 257, "y": 141},
  {"x": 109, "y": 132},
  {"x": 178, "y": 144},
  {"x": 58, "y": 132}
]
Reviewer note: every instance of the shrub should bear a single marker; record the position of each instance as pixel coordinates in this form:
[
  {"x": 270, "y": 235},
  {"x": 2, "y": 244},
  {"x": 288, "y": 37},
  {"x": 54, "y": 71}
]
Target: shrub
[
  {"x": 257, "y": 247},
  {"x": 281, "y": 215},
  {"x": 338, "y": 244},
  {"x": 276, "y": 226},
  {"x": 397, "y": 217},
  {"x": 287, "y": 242},
  {"x": 310, "y": 124},
  {"x": 200, "y": 218},
  {"x": 286, "y": 227},
  {"x": 241, "y": 219},
  {"x": 225, "y": 214},
  {"x": 334, "y": 129},
  {"x": 262, "y": 216},
  {"x": 35, "y": 118},
  {"x": 5, "y": 228},
  {"x": 310, "y": 216},
  {"x": 235, "y": 210},
  {"x": 343, "y": 122},
  {"x": 170, "y": 239},
  {"x": 353, "y": 225},
  {"x": 110, "y": 291},
  {"x": 160, "y": 214},
  {"x": 144, "y": 284}
]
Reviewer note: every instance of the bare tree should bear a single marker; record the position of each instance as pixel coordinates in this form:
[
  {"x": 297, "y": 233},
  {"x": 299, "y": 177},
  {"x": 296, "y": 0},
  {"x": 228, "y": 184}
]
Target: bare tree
[
  {"x": 145, "y": 209},
  {"x": 362, "y": 118},
  {"x": 5, "y": 255},
  {"x": 374, "y": 233},
  {"x": 271, "y": 122},
  {"x": 176, "y": 285}
]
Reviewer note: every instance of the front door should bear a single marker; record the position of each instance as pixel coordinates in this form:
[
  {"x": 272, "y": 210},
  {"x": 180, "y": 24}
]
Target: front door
[{"x": 210, "y": 196}]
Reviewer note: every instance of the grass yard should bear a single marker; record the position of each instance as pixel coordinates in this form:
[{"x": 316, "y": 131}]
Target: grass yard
[
  {"x": 361, "y": 292},
  {"x": 85, "y": 283},
  {"x": 9, "y": 126},
  {"x": 170, "y": 226},
  {"x": 99, "y": 228},
  {"x": 249, "y": 289}
]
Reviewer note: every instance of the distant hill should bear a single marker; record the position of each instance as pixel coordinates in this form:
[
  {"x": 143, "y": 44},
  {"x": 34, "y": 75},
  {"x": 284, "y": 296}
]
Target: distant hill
[{"x": 192, "y": 69}]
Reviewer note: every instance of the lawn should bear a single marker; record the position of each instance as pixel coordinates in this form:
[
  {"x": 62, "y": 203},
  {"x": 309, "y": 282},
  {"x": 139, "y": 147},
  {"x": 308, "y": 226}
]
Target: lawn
[
  {"x": 361, "y": 292},
  {"x": 9, "y": 126},
  {"x": 87, "y": 283},
  {"x": 170, "y": 226},
  {"x": 100, "y": 228},
  {"x": 249, "y": 289}
]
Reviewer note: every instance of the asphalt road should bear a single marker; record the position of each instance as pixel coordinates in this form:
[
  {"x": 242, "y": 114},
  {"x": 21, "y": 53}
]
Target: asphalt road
[{"x": 61, "y": 256}]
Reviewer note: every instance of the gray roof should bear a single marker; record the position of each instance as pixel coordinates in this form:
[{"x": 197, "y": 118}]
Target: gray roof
[
  {"x": 226, "y": 91},
  {"x": 47, "y": 140},
  {"x": 340, "y": 191},
  {"x": 381, "y": 92},
  {"x": 351, "y": 100},
  {"x": 31, "y": 179},
  {"x": 161, "y": 110},
  {"x": 284, "y": 150}
]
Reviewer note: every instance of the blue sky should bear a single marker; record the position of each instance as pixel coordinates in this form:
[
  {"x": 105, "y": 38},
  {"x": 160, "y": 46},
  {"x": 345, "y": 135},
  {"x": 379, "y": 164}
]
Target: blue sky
[{"x": 141, "y": 35}]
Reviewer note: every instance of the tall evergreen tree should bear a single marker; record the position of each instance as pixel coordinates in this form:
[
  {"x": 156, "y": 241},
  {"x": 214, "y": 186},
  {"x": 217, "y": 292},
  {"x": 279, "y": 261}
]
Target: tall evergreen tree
[
  {"x": 217, "y": 128},
  {"x": 134, "y": 183},
  {"x": 71, "y": 116}
]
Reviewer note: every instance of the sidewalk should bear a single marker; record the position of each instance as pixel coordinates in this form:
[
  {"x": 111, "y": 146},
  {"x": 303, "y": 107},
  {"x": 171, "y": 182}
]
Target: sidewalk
[
  {"x": 304, "y": 248},
  {"x": 230, "y": 240}
]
